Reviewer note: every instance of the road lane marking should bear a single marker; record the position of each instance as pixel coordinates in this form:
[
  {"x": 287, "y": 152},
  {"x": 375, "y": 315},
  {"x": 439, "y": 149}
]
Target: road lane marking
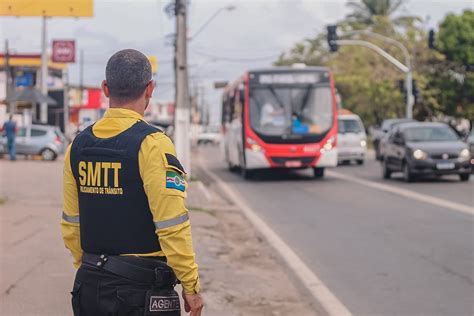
[
  {"x": 316, "y": 287},
  {"x": 405, "y": 193}
]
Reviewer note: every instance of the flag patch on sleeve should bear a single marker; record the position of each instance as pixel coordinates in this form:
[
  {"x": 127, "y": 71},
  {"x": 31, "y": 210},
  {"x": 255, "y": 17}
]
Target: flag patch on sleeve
[{"x": 175, "y": 181}]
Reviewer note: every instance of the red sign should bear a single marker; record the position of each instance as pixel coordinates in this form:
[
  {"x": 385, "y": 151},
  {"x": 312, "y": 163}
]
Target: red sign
[{"x": 64, "y": 51}]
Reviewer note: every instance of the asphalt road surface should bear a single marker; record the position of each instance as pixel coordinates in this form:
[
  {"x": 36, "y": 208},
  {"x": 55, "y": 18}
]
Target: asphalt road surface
[{"x": 380, "y": 251}]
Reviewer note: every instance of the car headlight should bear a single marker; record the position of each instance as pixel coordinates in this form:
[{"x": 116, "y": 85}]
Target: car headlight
[
  {"x": 465, "y": 154},
  {"x": 419, "y": 154},
  {"x": 363, "y": 143}
]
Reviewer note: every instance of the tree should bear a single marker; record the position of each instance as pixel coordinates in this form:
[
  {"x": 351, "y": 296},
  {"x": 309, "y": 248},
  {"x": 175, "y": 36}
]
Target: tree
[
  {"x": 378, "y": 15},
  {"x": 452, "y": 79},
  {"x": 456, "y": 38}
]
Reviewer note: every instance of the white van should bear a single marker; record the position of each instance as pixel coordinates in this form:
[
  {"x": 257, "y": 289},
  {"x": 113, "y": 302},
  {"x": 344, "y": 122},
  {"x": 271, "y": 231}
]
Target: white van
[{"x": 351, "y": 139}]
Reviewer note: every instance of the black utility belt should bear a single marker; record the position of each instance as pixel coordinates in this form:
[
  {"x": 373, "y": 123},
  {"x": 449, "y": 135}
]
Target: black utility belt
[{"x": 140, "y": 269}]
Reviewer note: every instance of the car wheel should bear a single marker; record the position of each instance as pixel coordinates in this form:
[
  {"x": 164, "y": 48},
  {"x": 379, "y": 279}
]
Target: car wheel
[
  {"x": 318, "y": 173},
  {"x": 48, "y": 155},
  {"x": 407, "y": 173},
  {"x": 360, "y": 161},
  {"x": 386, "y": 173},
  {"x": 464, "y": 176}
]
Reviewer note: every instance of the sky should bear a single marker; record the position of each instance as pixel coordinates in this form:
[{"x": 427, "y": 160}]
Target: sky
[{"x": 251, "y": 36}]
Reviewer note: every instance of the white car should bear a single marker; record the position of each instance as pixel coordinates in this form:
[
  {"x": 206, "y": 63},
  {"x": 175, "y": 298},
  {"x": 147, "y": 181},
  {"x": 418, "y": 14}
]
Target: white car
[
  {"x": 209, "y": 135},
  {"x": 351, "y": 139}
]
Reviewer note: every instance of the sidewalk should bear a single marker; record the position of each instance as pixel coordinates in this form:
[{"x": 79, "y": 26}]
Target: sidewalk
[{"x": 239, "y": 274}]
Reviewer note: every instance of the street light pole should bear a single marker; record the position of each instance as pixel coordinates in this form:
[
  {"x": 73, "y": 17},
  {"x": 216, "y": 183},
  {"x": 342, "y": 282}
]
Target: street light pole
[
  {"x": 182, "y": 113},
  {"x": 408, "y": 74},
  {"x": 183, "y": 105},
  {"x": 404, "y": 68},
  {"x": 44, "y": 72},
  {"x": 228, "y": 8}
]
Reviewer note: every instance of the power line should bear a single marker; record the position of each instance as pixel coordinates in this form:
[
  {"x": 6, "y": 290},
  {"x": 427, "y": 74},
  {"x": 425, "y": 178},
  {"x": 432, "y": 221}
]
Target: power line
[{"x": 235, "y": 59}]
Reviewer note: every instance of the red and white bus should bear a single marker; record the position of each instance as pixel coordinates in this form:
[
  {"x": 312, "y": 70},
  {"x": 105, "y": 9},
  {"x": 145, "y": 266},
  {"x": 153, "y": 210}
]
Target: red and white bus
[{"x": 280, "y": 118}]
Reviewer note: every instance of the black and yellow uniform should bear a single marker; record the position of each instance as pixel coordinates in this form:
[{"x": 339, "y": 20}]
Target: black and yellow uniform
[{"x": 124, "y": 194}]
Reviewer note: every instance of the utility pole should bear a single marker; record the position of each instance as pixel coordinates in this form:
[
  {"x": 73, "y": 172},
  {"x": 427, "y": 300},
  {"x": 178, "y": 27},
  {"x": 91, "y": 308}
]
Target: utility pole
[
  {"x": 9, "y": 79},
  {"x": 182, "y": 113},
  {"x": 44, "y": 72},
  {"x": 66, "y": 102}
]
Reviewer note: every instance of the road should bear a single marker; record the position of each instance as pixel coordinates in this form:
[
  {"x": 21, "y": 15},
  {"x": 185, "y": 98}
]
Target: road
[{"x": 378, "y": 246}]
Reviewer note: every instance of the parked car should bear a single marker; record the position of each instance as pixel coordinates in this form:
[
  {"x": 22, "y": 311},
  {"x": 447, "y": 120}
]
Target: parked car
[
  {"x": 351, "y": 139},
  {"x": 209, "y": 135},
  {"x": 423, "y": 148},
  {"x": 45, "y": 140},
  {"x": 379, "y": 134}
]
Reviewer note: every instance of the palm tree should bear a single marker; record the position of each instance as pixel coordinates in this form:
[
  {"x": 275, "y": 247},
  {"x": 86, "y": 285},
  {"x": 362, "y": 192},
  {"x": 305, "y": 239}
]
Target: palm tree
[{"x": 369, "y": 12}]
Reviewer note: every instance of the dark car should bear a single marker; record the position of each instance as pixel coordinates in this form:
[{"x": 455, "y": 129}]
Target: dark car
[
  {"x": 421, "y": 148},
  {"x": 378, "y": 135},
  {"x": 470, "y": 141}
]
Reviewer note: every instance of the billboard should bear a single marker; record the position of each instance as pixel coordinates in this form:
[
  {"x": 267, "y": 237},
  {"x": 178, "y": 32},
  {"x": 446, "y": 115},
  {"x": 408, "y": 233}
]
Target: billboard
[
  {"x": 64, "y": 51},
  {"x": 65, "y": 8}
]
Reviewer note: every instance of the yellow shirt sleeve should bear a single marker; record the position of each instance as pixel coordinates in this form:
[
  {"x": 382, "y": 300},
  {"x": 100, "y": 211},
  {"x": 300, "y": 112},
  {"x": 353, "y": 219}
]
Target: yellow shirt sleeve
[
  {"x": 70, "y": 219},
  {"x": 168, "y": 206}
]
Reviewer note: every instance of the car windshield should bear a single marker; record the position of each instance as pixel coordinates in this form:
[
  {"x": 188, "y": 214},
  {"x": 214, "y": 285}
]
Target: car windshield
[
  {"x": 388, "y": 125},
  {"x": 291, "y": 110},
  {"x": 349, "y": 126},
  {"x": 430, "y": 134}
]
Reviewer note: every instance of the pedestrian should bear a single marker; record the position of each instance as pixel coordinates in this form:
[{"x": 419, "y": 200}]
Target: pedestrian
[
  {"x": 10, "y": 130},
  {"x": 124, "y": 218}
]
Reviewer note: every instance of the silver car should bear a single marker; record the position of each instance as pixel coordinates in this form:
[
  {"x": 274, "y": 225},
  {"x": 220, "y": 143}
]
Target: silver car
[{"x": 45, "y": 140}]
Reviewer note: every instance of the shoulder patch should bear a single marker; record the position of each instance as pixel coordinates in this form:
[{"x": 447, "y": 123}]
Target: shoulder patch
[{"x": 172, "y": 161}]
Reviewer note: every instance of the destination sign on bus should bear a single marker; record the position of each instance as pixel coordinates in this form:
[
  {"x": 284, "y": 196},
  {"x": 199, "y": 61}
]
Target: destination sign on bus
[{"x": 289, "y": 78}]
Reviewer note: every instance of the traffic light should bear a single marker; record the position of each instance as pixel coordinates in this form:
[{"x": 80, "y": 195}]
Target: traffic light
[
  {"x": 431, "y": 39},
  {"x": 415, "y": 90},
  {"x": 403, "y": 90},
  {"x": 332, "y": 38}
]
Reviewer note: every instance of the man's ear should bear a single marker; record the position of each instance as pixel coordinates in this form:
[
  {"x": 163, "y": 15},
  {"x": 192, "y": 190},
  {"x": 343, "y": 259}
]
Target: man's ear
[
  {"x": 149, "y": 89},
  {"x": 105, "y": 88}
]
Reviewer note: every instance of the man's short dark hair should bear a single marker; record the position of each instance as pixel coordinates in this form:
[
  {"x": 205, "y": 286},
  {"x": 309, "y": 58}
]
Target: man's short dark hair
[{"x": 128, "y": 73}]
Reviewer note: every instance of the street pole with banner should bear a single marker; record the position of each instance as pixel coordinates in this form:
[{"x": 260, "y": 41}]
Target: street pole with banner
[{"x": 64, "y": 51}]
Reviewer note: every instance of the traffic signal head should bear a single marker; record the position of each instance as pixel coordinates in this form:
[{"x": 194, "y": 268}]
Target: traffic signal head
[
  {"x": 332, "y": 38},
  {"x": 431, "y": 39}
]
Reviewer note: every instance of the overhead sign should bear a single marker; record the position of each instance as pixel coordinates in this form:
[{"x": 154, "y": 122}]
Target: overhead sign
[
  {"x": 71, "y": 8},
  {"x": 289, "y": 78},
  {"x": 64, "y": 51}
]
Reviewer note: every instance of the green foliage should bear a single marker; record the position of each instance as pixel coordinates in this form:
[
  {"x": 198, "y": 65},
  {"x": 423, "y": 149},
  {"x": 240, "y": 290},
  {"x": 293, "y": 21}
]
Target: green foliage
[
  {"x": 368, "y": 83},
  {"x": 456, "y": 38}
]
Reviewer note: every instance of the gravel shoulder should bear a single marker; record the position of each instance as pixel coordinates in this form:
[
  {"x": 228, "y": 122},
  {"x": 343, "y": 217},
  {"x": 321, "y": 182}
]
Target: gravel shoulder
[{"x": 240, "y": 273}]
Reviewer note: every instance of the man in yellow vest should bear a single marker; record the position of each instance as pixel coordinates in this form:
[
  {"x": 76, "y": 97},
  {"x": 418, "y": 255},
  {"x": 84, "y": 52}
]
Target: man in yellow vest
[{"x": 124, "y": 218}]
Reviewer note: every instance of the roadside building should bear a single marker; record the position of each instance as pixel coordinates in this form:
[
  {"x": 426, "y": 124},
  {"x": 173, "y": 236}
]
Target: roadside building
[
  {"x": 23, "y": 70},
  {"x": 86, "y": 105}
]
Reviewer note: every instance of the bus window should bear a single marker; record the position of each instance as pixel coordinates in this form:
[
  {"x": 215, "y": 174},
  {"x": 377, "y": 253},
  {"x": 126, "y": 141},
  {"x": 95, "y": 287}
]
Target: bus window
[{"x": 296, "y": 110}]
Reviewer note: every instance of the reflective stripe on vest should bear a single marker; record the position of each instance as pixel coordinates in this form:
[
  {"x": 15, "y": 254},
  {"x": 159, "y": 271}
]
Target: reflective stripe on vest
[
  {"x": 172, "y": 222},
  {"x": 71, "y": 219}
]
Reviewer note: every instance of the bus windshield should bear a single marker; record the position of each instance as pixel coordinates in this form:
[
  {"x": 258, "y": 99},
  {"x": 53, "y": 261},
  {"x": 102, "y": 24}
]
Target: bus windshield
[{"x": 276, "y": 111}]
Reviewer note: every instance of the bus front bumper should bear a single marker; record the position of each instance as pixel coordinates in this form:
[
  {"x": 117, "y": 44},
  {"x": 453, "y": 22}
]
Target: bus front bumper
[{"x": 328, "y": 158}]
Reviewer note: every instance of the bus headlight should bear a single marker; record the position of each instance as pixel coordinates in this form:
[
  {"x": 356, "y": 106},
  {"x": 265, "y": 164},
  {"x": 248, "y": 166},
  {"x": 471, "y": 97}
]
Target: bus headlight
[
  {"x": 464, "y": 154},
  {"x": 329, "y": 144},
  {"x": 363, "y": 143},
  {"x": 252, "y": 144},
  {"x": 419, "y": 154},
  {"x": 256, "y": 147}
]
